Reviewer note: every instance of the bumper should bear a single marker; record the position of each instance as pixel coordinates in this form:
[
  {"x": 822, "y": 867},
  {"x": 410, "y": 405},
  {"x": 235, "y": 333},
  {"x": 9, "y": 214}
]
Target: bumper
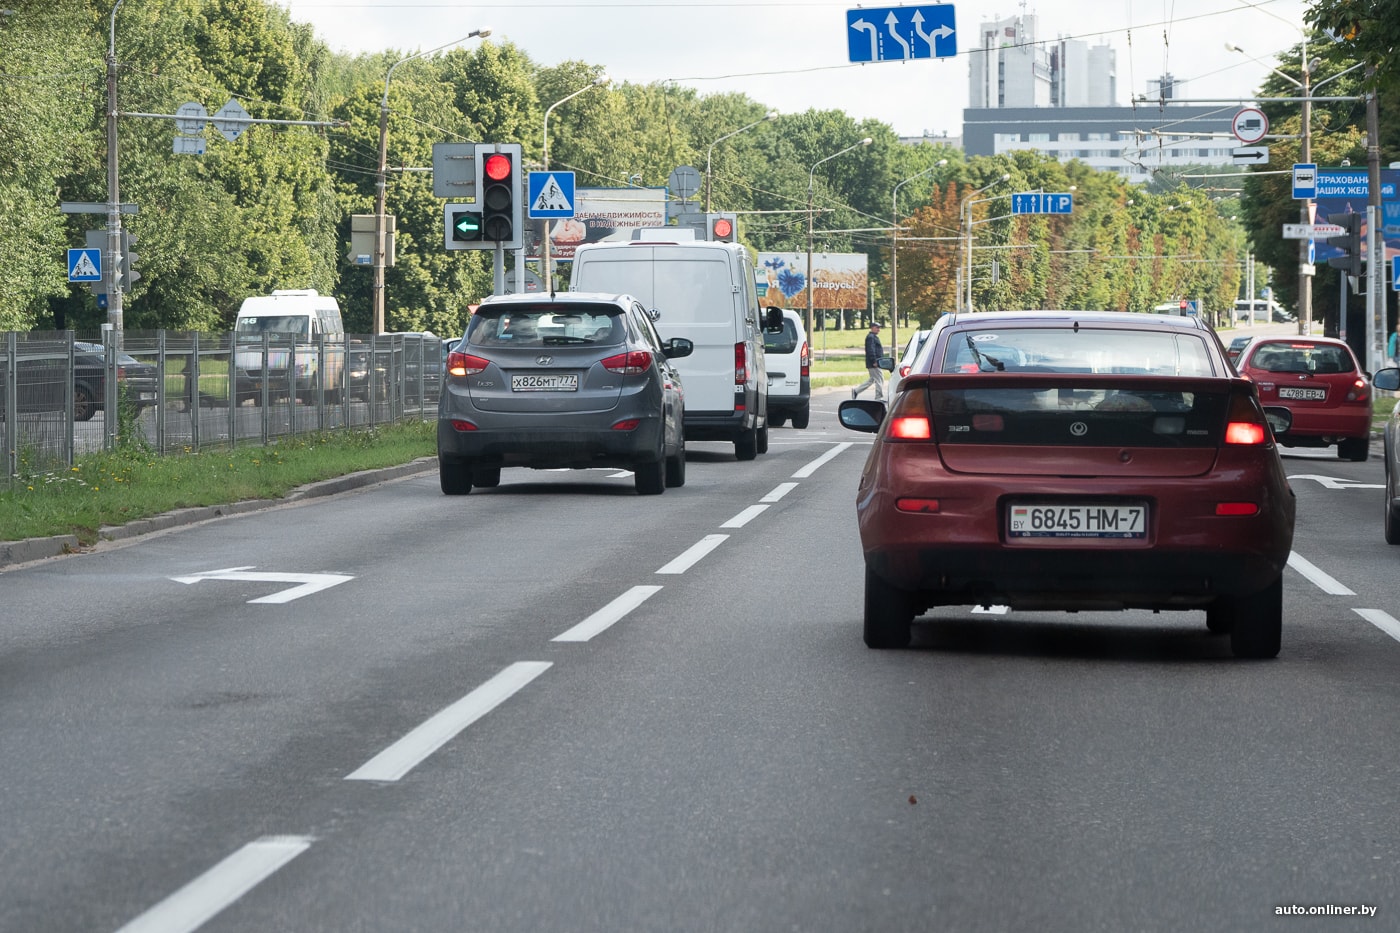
[
  {"x": 552, "y": 446},
  {"x": 717, "y": 425},
  {"x": 783, "y": 399}
]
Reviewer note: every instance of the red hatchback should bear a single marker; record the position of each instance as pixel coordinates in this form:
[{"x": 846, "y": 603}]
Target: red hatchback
[
  {"x": 1321, "y": 384},
  {"x": 1056, "y": 460}
]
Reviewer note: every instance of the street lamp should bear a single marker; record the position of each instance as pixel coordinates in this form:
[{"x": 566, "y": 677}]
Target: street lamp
[
  {"x": 963, "y": 208},
  {"x": 771, "y": 115},
  {"x": 380, "y": 194},
  {"x": 545, "y": 260},
  {"x": 811, "y": 181},
  {"x": 894, "y": 249}
]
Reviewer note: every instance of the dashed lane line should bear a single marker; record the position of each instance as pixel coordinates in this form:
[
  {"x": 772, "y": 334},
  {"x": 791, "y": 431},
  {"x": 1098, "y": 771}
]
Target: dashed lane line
[{"x": 611, "y": 613}]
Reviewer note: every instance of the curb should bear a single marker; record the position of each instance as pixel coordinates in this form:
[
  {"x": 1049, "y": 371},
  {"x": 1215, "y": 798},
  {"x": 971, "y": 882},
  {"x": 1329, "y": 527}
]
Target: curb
[{"x": 32, "y": 549}]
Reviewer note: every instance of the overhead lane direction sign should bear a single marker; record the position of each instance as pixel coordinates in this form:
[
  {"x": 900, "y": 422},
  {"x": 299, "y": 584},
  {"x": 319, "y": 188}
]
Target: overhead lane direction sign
[
  {"x": 1036, "y": 202},
  {"x": 893, "y": 34},
  {"x": 1250, "y": 155},
  {"x": 551, "y": 194}
]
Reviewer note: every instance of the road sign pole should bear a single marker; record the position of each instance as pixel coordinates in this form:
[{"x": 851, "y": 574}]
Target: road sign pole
[{"x": 112, "y": 260}]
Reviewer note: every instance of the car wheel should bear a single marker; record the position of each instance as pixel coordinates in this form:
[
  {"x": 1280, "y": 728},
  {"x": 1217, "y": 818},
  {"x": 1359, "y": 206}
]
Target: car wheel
[
  {"x": 801, "y": 418},
  {"x": 889, "y": 614},
  {"x": 746, "y": 445},
  {"x": 1355, "y": 449},
  {"x": 650, "y": 477},
  {"x": 84, "y": 405},
  {"x": 1392, "y": 511},
  {"x": 454, "y": 476},
  {"x": 487, "y": 477},
  {"x": 777, "y": 421},
  {"x": 1256, "y": 629},
  {"x": 675, "y": 467}
]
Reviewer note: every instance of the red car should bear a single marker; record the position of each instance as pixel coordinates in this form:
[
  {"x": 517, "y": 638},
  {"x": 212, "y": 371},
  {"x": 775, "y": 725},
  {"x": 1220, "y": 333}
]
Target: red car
[
  {"x": 1059, "y": 460},
  {"x": 1321, "y": 384}
]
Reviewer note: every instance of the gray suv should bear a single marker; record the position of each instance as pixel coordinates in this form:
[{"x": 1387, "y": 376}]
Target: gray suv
[{"x": 573, "y": 380}]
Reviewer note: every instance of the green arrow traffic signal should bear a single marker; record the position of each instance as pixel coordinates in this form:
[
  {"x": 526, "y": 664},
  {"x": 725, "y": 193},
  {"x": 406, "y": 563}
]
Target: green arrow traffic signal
[{"x": 466, "y": 226}]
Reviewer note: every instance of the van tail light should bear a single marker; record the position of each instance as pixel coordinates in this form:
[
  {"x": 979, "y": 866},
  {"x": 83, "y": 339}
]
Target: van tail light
[
  {"x": 909, "y": 420},
  {"x": 1245, "y": 424},
  {"x": 741, "y": 364},
  {"x": 464, "y": 364},
  {"x": 806, "y": 359},
  {"x": 1359, "y": 391},
  {"x": 632, "y": 363}
]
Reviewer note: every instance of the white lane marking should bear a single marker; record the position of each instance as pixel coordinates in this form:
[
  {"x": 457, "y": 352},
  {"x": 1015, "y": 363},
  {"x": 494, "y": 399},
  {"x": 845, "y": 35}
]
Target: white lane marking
[
  {"x": 818, "y": 463},
  {"x": 1382, "y": 620},
  {"x": 609, "y": 614},
  {"x": 405, "y": 754},
  {"x": 992, "y": 610},
  {"x": 199, "y": 901},
  {"x": 694, "y": 554},
  {"x": 746, "y": 516},
  {"x": 1336, "y": 482},
  {"x": 778, "y": 492},
  {"x": 310, "y": 582},
  {"x": 1324, "y": 582}
]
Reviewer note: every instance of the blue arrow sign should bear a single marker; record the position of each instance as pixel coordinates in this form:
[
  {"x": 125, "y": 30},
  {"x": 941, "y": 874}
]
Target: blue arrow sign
[
  {"x": 551, "y": 194},
  {"x": 894, "y": 34},
  {"x": 1058, "y": 203},
  {"x": 85, "y": 265},
  {"x": 1034, "y": 202},
  {"x": 1026, "y": 202}
]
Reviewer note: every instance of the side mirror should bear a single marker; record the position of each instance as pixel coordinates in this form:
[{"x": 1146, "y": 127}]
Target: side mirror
[
  {"x": 773, "y": 319},
  {"x": 677, "y": 347},
  {"x": 1387, "y": 379},
  {"x": 864, "y": 415},
  {"x": 886, "y": 363}
]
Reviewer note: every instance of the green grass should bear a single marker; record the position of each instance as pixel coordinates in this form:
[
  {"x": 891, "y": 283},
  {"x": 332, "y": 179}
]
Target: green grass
[{"x": 132, "y": 483}]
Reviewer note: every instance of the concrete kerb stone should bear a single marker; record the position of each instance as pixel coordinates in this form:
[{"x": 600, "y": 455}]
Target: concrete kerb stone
[{"x": 32, "y": 549}]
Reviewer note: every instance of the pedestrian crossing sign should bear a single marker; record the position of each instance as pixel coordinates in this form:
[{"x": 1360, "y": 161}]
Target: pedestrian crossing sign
[
  {"x": 551, "y": 194},
  {"x": 85, "y": 265}
]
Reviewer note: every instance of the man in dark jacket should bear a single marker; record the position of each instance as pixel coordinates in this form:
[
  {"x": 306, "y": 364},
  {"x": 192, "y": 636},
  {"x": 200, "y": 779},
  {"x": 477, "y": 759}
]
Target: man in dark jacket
[{"x": 873, "y": 352}]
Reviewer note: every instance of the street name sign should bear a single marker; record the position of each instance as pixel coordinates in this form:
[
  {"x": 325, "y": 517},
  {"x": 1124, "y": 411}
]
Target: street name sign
[
  {"x": 1311, "y": 231},
  {"x": 901, "y": 33}
]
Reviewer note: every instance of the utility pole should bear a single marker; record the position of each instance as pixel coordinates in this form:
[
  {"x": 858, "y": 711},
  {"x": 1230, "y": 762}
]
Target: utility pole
[
  {"x": 112, "y": 266},
  {"x": 1376, "y": 273}
]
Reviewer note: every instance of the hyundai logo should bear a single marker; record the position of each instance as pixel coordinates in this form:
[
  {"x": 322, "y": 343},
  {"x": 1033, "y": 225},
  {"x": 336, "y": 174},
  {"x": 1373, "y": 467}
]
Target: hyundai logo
[{"x": 544, "y": 361}]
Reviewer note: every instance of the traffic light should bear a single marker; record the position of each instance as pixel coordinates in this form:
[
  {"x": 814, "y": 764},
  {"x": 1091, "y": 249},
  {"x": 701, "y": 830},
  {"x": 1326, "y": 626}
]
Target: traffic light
[
  {"x": 498, "y": 192},
  {"x": 129, "y": 271},
  {"x": 462, "y": 227},
  {"x": 724, "y": 228},
  {"x": 1349, "y": 243}
]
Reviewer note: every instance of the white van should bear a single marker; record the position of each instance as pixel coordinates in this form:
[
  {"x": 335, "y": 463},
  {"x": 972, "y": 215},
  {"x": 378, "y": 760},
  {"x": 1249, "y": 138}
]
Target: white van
[
  {"x": 298, "y": 322},
  {"x": 702, "y": 291}
]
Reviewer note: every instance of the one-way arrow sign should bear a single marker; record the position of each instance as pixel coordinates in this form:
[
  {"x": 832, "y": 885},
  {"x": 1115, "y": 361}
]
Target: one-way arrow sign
[
  {"x": 1250, "y": 155},
  {"x": 308, "y": 582}
]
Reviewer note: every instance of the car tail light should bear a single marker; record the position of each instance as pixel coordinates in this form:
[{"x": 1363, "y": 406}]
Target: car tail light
[
  {"x": 1359, "y": 391},
  {"x": 1236, "y": 508},
  {"x": 632, "y": 363},
  {"x": 806, "y": 359},
  {"x": 630, "y": 424},
  {"x": 909, "y": 421},
  {"x": 914, "y": 504},
  {"x": 459, "y": 425},
  {"x": 741, "y": 364},
  {"x": 1245, "y": 423},
  {"x": 464, "y": 364},
  {"x": 904, "y": 371}
]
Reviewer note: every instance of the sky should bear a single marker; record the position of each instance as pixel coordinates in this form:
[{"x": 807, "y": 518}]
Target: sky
[{"x": 793, "y": 55}]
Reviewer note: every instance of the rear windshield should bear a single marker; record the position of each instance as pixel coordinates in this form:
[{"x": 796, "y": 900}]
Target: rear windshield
[
  {"x": 297, "y": 324},
  {"x": 782, "y": 341},
  {"x": 1301, "y": 357},
  {"x": 547, "y": 325},
  {"x": 1079, "y": 416},
  {"x": 1077, "y": 350}
]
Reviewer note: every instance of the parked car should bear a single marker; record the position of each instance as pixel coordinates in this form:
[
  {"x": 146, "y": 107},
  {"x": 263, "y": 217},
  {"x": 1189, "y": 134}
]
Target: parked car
[
  {"x": 1388, "y": 379},
  {"x": 906, "y": 359},
  {"x": 570, "y": 380},
  {"x": 1321, "y": 384},
  {"x": 789, "y": 364},
  {"x": 1088, "y": 461},
  {"x": 136, "y": 380}
]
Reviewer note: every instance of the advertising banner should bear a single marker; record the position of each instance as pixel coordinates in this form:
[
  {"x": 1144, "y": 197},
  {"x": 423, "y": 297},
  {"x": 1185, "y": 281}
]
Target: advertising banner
[
  {"x": 603, "y": 215},
  {"x": 841, "y": 281},
  {"x": 1348, "y": 191}
]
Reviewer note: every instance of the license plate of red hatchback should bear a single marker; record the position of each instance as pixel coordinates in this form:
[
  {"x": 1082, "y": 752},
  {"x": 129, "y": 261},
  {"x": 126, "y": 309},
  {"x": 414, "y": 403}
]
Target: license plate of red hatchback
[
  {"x": 1074, "y": 520},
  {"x": 553, "y": 382},
  {"x": 1300, "y": 392}
]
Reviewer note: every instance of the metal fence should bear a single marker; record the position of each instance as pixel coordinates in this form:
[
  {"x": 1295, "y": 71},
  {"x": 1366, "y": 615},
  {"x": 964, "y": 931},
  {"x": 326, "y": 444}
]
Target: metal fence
[{"x": 61, "y": 396}]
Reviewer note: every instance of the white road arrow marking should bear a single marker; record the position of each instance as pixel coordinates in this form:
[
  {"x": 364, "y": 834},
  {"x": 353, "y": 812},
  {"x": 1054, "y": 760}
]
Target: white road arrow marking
[
  {"x": 309, "y": 582},
  {"x": 1336, "y": 482}
]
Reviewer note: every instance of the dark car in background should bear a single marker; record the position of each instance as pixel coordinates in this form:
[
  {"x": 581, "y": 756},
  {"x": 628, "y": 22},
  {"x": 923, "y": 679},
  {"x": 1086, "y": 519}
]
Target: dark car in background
[
  {"x": 572, "y": 380},
  {"x": 136, "y": 381},
  {"x": 1064, "y": 460},
  {"x": 1319, "y": 381}
]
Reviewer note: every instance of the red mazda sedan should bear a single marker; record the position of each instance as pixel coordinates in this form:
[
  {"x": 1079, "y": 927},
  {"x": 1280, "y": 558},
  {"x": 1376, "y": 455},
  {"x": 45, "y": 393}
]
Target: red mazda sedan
[
  {"x": 1064, "y": 460},
  {"x": 1321, "y": 384}
]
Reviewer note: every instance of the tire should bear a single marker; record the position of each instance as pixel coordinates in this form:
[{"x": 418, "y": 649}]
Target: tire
[
  {"x": 763, "y": 439},
  {"x": 650, "y": 477},
  {"x": 486, "y": 477},
  {"x": 777, "y": 421},
  {"x": 84, "y": 405},
  {"x": 889, "y": 614},
  {"x": 800, "y": 419},
  {"x": 1355, "y": 449},
  {"x": 1392, "y": 511},
  {"x": 454, "y": 476},
  {"x": 1256, "y": 621},
  {"x": 1217, "y": 621},
  {"x": 746, "y": 445},
  {"x": 675, "y": 467}
]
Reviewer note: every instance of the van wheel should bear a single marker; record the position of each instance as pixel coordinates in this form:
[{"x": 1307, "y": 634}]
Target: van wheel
[
  {"x": 763, "y": 439},
  {"x": 801, "y": 418},
  {"x": 675, "y": 467},
  {"x": 777, "y": 421},
  {"x": 746, "y": 445},
  {"x": 454, "y": 477}
]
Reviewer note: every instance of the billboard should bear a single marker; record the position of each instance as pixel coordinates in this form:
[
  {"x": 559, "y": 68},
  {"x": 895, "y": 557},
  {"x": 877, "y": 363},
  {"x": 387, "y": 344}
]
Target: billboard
[
  {"x": 841, "y": 280},
  {"x": 603, "y": 215},
  {"x": 1348, "y": 191}
]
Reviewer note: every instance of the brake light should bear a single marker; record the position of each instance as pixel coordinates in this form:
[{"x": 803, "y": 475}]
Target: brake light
[
  {"x": 1245, "y": 423},
  {"x": 1236, "y": 508},
  {"x": 909, "y": 421},
  {"x": 741, "y": 364},
  {"x": 460, "y": 425},
  {"x": 911, "y": 504},
  {"x": 806, "y": 359},
  {"x": 1359, "y": 391},
  {"x": 630, "y": 424},
  {"x": 632, "y": 363},
  {"x": 464, "y": 364}
]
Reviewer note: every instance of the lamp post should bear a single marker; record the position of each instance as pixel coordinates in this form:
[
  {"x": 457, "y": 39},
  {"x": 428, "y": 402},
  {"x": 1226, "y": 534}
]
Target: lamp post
[
  {"x": 771, "y": 115},
  {"x": 545, "y": 260},
  {"x": 380, "y": 185},
  {"x": 894, "y": 249},
  {"x": 965, "y": 214},
  {"x": 811, "y": 181}
]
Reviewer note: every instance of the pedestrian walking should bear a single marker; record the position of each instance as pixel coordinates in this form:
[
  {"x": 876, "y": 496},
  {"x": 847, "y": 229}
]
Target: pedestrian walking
[
  {"x": 873, "y": 352},
  {"x": 1392, "y": 346}
]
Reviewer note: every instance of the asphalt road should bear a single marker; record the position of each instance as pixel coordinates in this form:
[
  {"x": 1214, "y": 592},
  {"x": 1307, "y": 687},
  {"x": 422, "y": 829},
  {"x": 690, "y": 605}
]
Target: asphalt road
[{"x": 556, "y": 705}]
